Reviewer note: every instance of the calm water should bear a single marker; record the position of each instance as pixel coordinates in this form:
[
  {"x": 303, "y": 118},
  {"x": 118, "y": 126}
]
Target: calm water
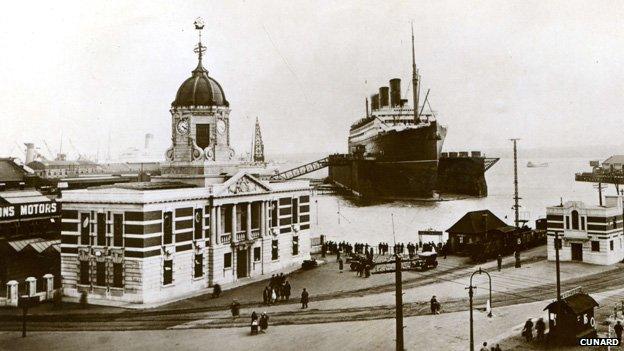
[{"x": 538, "y": 187}]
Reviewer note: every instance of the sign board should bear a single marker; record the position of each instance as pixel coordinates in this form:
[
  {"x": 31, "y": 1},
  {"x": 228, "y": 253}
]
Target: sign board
[
  {"x": 30, "y": 210},
  {"x": 430, "y": 232},
  {"x": 571, "y": 292}
]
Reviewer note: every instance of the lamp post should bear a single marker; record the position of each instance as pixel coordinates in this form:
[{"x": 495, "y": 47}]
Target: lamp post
[{"x": 470, "y": 295}]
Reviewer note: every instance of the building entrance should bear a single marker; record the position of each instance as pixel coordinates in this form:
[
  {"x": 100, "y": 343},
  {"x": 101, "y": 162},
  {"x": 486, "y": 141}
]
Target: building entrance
[
  {"x": 241, "y": 263},
  {"x": 577, "y": 252}
]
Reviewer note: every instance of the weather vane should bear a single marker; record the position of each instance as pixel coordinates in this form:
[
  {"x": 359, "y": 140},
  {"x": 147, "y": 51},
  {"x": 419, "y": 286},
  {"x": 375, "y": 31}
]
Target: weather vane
[{"x": 199, "y": 25}]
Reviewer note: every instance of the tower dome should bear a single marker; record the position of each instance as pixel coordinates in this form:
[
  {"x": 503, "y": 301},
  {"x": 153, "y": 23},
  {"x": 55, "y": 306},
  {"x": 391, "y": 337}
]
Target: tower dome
[{"x": 200, "y": 90}]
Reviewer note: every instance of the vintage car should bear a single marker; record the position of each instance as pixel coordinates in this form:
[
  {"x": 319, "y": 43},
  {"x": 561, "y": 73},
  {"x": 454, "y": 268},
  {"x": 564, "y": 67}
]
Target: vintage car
[{"x": 425, "y": 261}]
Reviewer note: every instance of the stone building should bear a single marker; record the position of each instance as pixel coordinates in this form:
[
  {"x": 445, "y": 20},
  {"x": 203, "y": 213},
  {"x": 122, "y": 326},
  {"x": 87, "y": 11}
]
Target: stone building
[
  {"x": 205, "y": 220},
  {"x": 587, "y": 233}
]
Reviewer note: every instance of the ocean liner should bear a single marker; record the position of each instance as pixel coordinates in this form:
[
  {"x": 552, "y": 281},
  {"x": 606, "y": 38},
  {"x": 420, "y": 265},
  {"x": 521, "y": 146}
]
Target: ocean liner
[{"x": 395, "y": 150}]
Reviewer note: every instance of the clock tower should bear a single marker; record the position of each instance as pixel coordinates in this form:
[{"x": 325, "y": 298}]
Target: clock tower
[{"x": 200, "y": 120}]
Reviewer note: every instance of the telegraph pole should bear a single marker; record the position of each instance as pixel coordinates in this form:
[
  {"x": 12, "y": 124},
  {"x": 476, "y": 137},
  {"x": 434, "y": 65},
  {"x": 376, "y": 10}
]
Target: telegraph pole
[
  {"x": 399, "y": 304},
  {"x": 557, "y": 244},
  {"x": 516, "y": 198}
]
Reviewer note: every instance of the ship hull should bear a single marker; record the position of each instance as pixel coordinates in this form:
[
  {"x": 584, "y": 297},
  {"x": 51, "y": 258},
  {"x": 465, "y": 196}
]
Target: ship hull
[
  {"x": 410, "y": 144},
  {"x": 375, "y": 179}
]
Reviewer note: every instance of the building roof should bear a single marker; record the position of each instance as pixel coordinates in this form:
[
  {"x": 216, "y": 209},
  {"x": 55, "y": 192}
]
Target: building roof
[
  {"x": 15, "y": 197},
  {"x": 614, "y": 159},
  {"x": 38, "y": 245},
  {"x": 577, "y": 303},
  {"x": 474, "y": 222},
  {"x": 149, "y": 185},
  {"x": 11, "y": 171},
  {"x": 200, "y": 90}
]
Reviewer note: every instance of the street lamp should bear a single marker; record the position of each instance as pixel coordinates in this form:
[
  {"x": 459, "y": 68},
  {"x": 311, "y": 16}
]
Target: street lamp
[{"x": 470, "y": 294}]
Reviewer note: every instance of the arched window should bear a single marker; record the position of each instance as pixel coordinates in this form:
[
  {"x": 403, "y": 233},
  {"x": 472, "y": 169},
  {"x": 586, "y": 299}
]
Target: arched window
[{"x": 575, "y": 220}]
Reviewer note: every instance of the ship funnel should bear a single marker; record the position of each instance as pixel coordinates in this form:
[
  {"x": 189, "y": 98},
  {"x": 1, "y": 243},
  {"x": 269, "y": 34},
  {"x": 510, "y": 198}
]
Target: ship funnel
[
  {"x": 395, "y": 92},
  {"x": 30, "y": 152},
  {"x": 375, "y": 102},
  {"x": 383, "y": 97}
]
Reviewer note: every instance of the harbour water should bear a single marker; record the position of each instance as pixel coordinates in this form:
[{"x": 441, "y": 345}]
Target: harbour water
[{"x": 341, "y": 218}]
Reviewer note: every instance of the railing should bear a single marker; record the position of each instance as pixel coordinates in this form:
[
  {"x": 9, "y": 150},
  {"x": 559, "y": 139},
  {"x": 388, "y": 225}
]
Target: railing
[
  {"x": 255, "y": 233},
  {"x": 225, "y": 238},
  {"x": 241, "y": 236}
]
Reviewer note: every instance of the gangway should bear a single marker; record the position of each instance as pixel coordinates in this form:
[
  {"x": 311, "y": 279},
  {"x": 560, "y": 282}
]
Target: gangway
[{"x": 301, "y": 170}]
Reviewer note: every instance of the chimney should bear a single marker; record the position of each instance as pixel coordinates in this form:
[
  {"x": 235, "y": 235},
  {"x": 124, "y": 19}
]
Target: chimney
[
  {"x": 375, "y": 102},
  {"x": 148, "y": 140},
  {"x": 395, "y": 92},
  {"x": 30, "y": 152},
  {"x": 383, "y": 97}
]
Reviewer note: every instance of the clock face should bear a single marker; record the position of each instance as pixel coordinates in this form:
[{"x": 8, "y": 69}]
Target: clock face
[
  {"x": 183, "y": 126},
  {"x": 220, "y": 126}
]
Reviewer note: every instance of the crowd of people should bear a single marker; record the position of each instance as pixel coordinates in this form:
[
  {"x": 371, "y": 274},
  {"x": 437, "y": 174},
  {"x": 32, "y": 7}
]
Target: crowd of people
[
  {"x": 278, "y": 290},
  {"x": 383, "y": 248}
]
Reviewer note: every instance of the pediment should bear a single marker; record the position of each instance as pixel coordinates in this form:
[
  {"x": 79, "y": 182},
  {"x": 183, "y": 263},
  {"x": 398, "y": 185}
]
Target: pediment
[{"x": 243, "y": 183}]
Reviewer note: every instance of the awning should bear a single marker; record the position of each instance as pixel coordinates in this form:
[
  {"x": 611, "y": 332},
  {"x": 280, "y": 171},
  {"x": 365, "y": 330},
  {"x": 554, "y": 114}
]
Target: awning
[{"x": 38, "y": 245}]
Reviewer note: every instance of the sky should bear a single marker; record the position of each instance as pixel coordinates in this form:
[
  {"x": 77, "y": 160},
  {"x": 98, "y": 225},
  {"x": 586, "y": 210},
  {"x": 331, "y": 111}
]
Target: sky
[{"x": 549, "y": 72}]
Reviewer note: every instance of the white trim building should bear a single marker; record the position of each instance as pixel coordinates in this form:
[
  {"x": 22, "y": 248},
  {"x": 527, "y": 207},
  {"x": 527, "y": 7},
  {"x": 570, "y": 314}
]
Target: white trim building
[{"x": 591, "y": 234}]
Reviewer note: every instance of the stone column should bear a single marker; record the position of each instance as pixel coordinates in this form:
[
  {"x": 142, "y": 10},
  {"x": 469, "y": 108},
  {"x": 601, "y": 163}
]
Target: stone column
[
  {"x": 248, "y": 217},
  {"x": 49, "y": 285},
  {"x": 263, "y": 218},
  {"x": 213, "y": 226},
  {"x": 32, "y": 286},
  {"x": 234, "y": 239},
  {"x": 12, "y": 294},
  {"x": 219, "y": 227}
]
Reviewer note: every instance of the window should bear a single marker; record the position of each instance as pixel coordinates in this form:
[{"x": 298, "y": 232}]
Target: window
[
  {"x": 199, "y": 221},
  {"x": 567, "y": 224},
  {"x": 582, "y": 223},
  {"x": 167, "y": 228},
  {"x": 118, "y": 275},
  {"x": 257, "y": 254},
  {"x": 274, "y": 250},
  {"x": 101, "y": 229},
  {"x": 168, "y": 271},
  {"x": 84, "y": 229},
  {"x": 240, "y": 218},
  {"x": 611, "y": 245},
  {"x": 84, "y": 272},
  {"x": 202, "y": 135},
  {"x": 575, "y": 220},
  {"x": 100, "y": 273},
  {"x": 227, "y": 260},
  {"x": 118, "y": 230},
  {"x": 295, "y": 211},
  {"x": 199, "y": 266},
  {"x": 295, "y": 245},
  {"x": 274, "y": 214},
  {"x": 226, "y": 218},
  {"x": 595, "y": 246}
]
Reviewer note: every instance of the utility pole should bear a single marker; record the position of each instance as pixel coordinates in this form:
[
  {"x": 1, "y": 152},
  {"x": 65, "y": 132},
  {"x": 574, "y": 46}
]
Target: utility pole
[
  {"x": 516, "y": 198},
  {"x": 399, "y": 303},
  {"x": 557, "y": 245}
]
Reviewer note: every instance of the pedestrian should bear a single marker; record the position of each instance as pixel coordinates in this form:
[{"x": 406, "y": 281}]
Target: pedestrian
[
  {"x": 216, "y": 291},
  {"x": 264, "y": 322},
  {"x": 273, "y": 296},
  {"x": 235, "y": 308},
  {"x": 254, "y": 323},
  {"x": 305, "y": 298},
  {"x": 499, "y": 262},
  {"x": 340, "y": 265},
  {"x": 527, "y": 332},
  {"x": 497, "y": 348},
  {"x": 254, "y": 316},
  {"x": 517, "y": 256},
  {"x": 338, "y": 255},
  {"x": 484, "y": 348},
  {"x": 540, "y": 328},
  {"x": 618, "y": 330},
  {"x": 287, "y": 290},
  {"x": 435, "y": 305},
  {"x": 266, "y": 295}
]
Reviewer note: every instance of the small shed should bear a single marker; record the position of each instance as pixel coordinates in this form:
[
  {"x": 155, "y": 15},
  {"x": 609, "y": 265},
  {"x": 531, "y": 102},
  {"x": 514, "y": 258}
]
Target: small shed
[
  {"x": 473, "y": 227},
  {"x": 571, "y": 318}
]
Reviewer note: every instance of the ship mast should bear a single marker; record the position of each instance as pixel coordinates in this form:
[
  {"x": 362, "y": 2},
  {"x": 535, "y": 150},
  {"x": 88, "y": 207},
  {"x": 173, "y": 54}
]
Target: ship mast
[{"x": 415, "y": 86}]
